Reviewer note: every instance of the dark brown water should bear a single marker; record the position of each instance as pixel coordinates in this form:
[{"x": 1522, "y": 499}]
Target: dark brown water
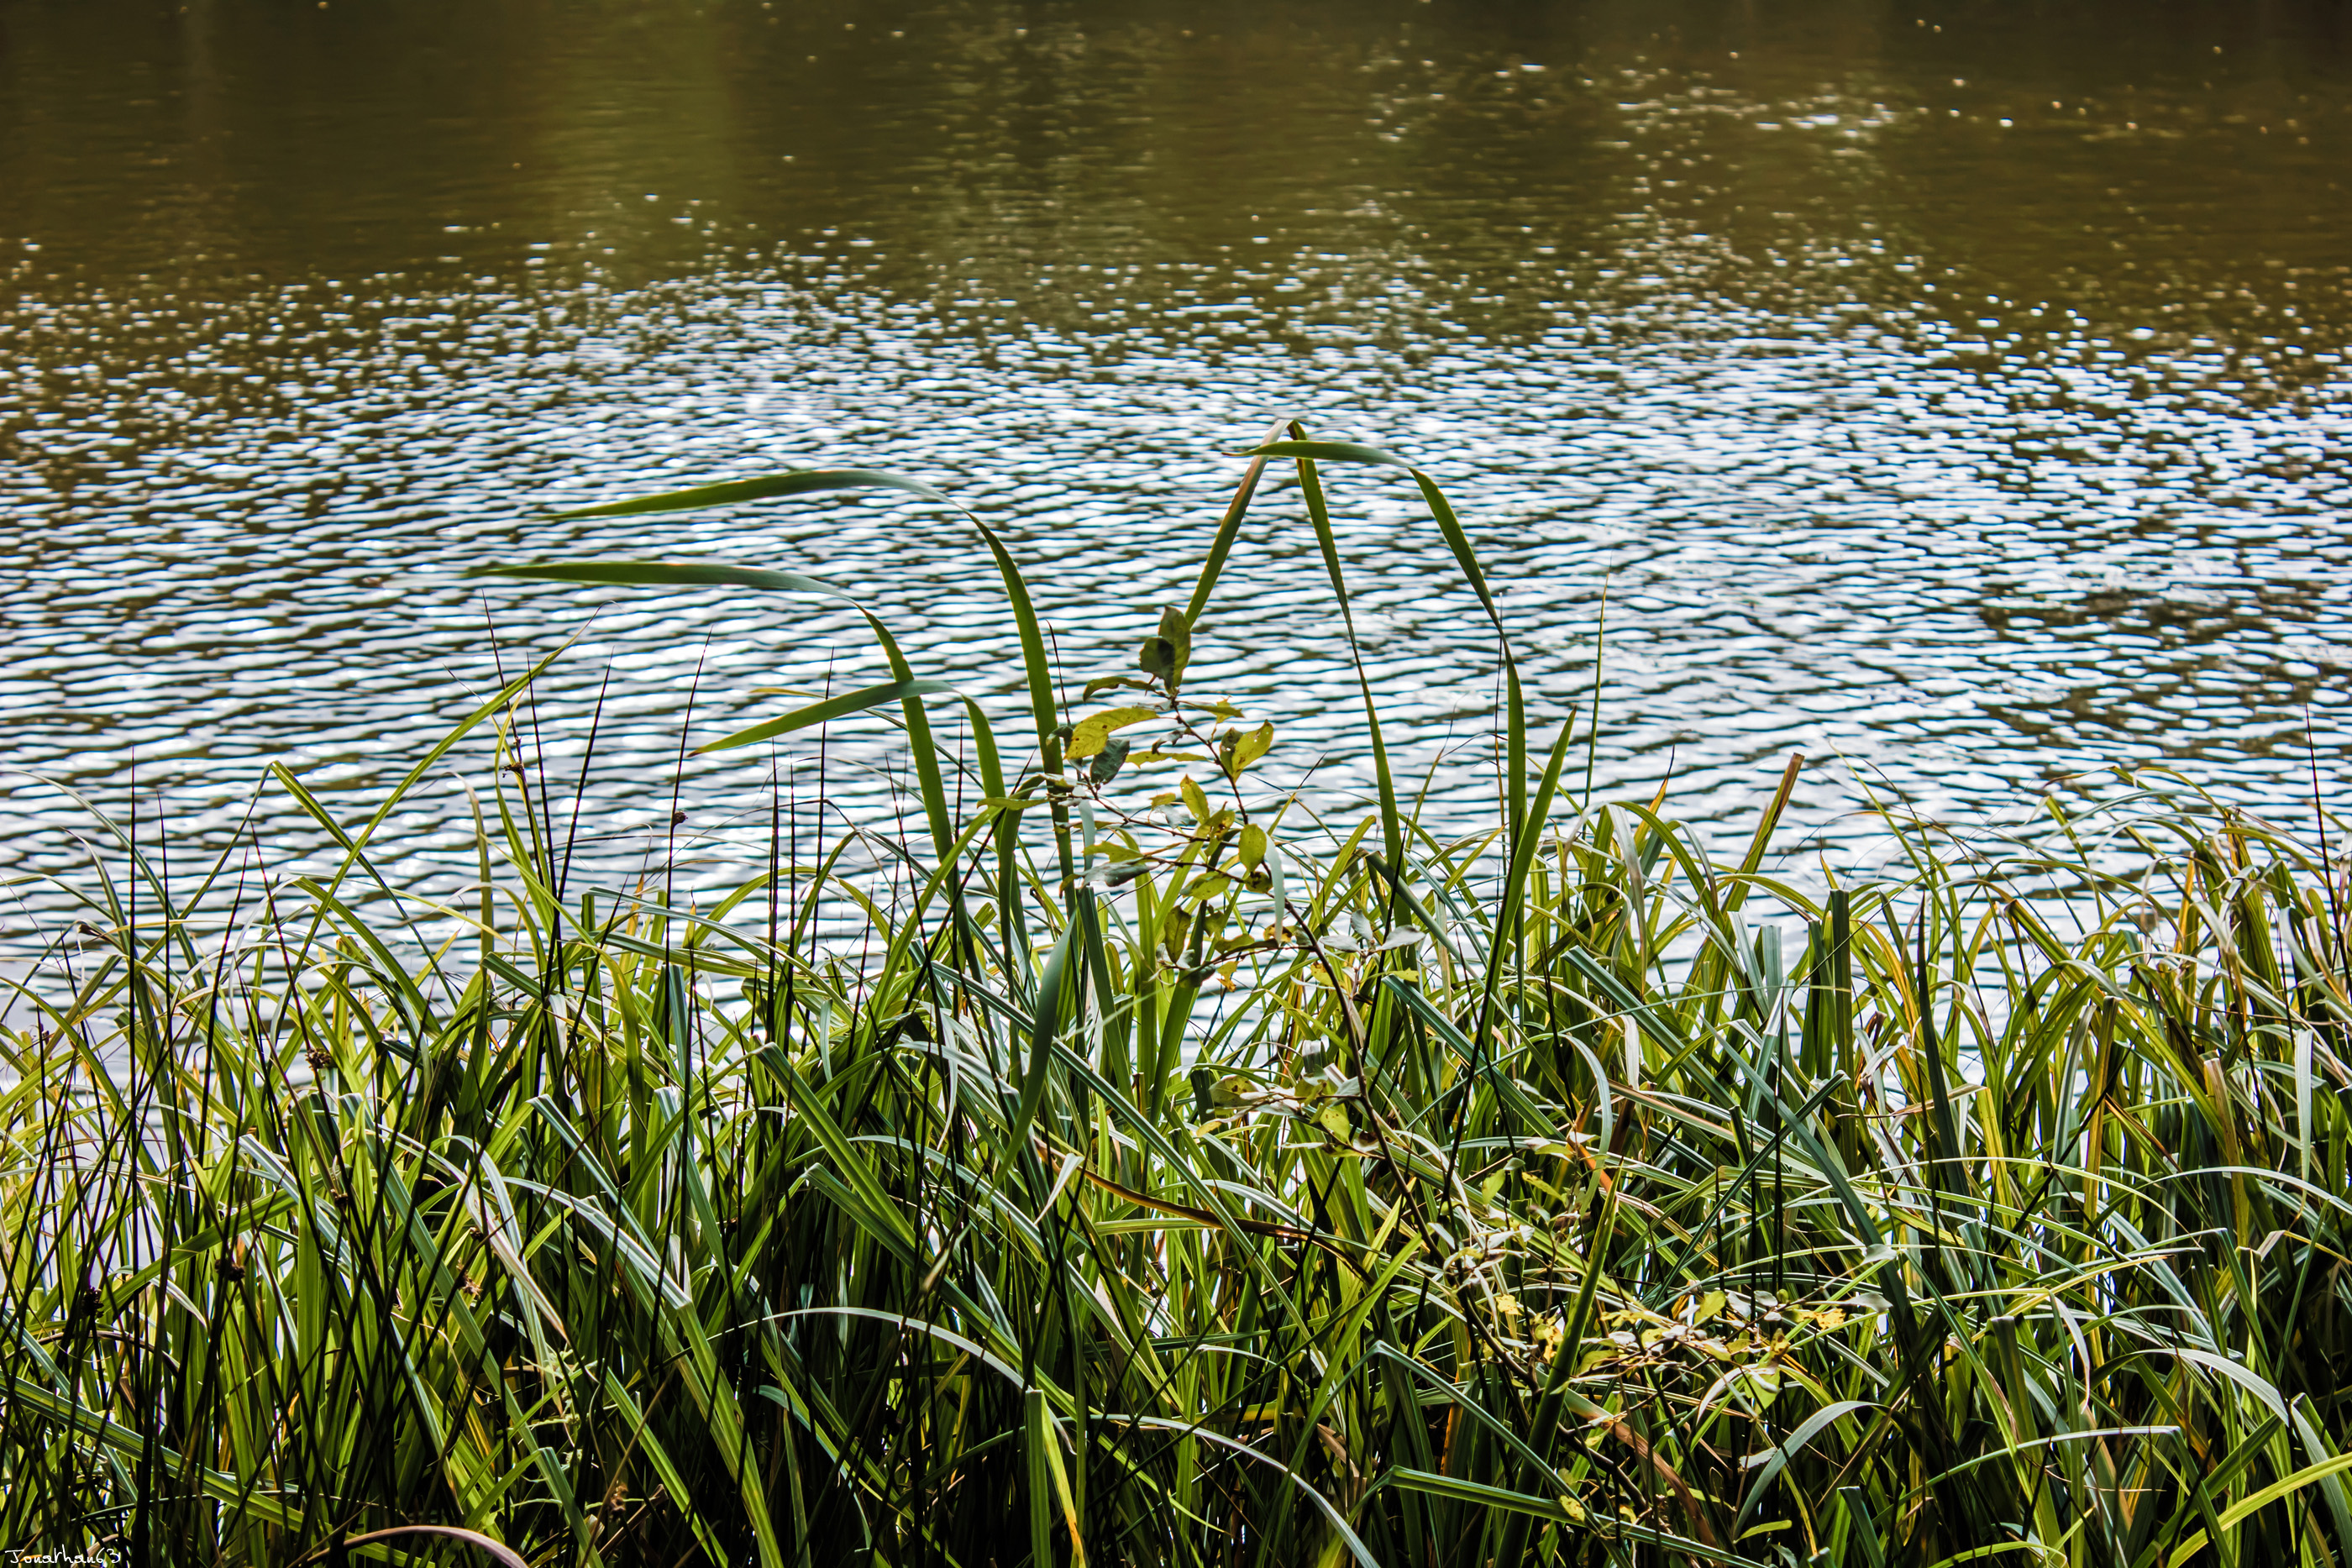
[{"x": 1954, "y": 389}]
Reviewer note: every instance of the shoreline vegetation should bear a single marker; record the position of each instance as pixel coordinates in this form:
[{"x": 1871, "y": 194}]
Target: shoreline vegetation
[{"x": 1169, "y": 1176}]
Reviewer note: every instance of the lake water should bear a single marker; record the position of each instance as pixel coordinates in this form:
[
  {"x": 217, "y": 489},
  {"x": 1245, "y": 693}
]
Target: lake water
[{"x": 1953, "y": 392}]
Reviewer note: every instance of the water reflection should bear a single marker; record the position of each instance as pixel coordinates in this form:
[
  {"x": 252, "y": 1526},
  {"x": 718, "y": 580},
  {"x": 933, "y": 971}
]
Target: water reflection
[{"x": 1958, "y": 391}]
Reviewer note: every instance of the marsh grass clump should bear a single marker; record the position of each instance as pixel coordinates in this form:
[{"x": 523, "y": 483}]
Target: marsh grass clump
[{"x": 1169, "y": 1176}]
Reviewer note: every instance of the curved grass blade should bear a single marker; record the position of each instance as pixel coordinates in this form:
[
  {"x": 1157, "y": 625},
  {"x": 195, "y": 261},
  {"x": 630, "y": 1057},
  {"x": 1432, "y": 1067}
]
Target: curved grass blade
[
  {"x": 489, "y": 1546},
  {"x": 733, "y": 492},
  {"x": 840, "y": 707},
  {"x": 698, "y": 574}
]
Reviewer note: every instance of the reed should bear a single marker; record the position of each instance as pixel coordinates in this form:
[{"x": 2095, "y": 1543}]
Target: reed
[{"x": 1172, "y": 1178}]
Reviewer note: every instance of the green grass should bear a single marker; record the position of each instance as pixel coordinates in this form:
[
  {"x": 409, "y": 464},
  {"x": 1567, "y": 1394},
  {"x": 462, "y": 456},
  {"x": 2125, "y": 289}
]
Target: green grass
[{"x": 1169, "y": 1176}]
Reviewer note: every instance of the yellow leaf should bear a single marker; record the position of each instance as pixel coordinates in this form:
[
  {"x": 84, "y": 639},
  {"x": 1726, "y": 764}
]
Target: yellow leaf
[
  {"x": 1089, "y": 735},
  {"x": 1253, "y": 745}
]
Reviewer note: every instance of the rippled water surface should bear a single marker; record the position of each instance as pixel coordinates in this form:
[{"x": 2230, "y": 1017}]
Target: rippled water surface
[{"x": 1954, "y": 393}]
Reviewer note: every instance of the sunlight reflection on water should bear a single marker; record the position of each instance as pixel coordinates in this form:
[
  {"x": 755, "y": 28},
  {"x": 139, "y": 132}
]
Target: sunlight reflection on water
[{"x": 1961, "y": 416}]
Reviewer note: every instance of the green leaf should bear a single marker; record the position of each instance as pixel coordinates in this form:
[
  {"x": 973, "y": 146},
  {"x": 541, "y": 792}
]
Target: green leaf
[
  {"x": 1789, "y": 1447},
  {"x": 1393, "y": 831},
  {"x": 1055, "y": 1000},
  {"x": 1105, "y": 763},
  {"x": 663, "y": 574},
  {"x": 1476, "y": 1493},
  {"x": 1194, "y": 801},
  {"x": 1480, "y": 1495},
  {"x": 1089, "y": 734},
  {"x": 2246, "y": 1508},
  {"x": 1252, "y": 847},
  {"x": 1175, "y": 927},
  {"x": 732, "y": 492},
  {"x": 1039, "y": 1442},
  {"x": 1177, "y": 632},
  {"x": 1208, "y": 885},
  {"x": 1328, "y": 452},
  {"x": 1112, "y": 682},
  {"x": 1228, "y": 529}
]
